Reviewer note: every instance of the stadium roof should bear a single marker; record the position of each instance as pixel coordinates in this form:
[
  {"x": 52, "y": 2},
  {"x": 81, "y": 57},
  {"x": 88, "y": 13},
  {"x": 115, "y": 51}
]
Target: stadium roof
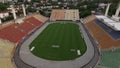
[{"x": 109, "y": 22}]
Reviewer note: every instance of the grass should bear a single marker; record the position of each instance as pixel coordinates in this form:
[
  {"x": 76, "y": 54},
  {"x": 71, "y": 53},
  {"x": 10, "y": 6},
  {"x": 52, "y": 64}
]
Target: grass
[{"x": 67, "y": 36}]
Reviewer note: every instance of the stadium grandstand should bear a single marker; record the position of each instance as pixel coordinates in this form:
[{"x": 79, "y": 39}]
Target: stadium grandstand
[
  {"x": 88, "y": 19},
  {"x": 58, "y": 14},
  {"x": 105, "y": 30},
  {"x": 17, "y": 32},
  {"x": 6, "y": 54},
  {"x": 105, "y": 35},
  {"x": 109, "y": 22},
  {"x": 14, "y": 33},
  {"x": 41, "y": 18}
]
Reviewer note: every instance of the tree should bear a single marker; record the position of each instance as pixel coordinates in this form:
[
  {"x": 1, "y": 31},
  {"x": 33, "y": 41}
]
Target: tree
[
  {"x": 112, "y": 9},
  {"x": 3, "y": 7},
  {"x": 85, "y": 13}
]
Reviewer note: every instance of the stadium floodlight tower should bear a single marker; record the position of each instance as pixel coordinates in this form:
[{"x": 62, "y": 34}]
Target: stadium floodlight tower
[
  {"x": 0, "y": 21},
  {"x": 13, "y": 12},
  {"x": 107, "y": 9},
  {"x": 116, "y": 16},
  {"x": 29, "y": 0},
  {"x": 24, "y": 11}
]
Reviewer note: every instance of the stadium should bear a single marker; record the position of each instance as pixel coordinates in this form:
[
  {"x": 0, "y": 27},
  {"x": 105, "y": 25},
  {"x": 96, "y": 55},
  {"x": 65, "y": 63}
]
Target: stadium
[
  {"x": 60, "y": 35},
  {"x": 61, "y": 41},
  {"x": 36, "y": 41}
]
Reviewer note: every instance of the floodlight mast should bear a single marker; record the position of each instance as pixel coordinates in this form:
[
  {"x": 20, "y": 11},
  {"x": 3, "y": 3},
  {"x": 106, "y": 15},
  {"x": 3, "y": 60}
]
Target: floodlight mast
[
  {"x": 116, "y": 16},
  {"x": 118, "y": 10},
  {"x": 107, "y": 9},
  {"x": 13, "y": 12},
  {"x": 24, "y": 11}
]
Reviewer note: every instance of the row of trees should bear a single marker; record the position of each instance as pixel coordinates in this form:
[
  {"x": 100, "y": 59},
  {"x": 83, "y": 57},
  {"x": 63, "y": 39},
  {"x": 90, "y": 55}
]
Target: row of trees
[
  {"x": 85, "y": 7},
  {"x": 93, "y": 5},
  {"x": 84, "y": 11}
]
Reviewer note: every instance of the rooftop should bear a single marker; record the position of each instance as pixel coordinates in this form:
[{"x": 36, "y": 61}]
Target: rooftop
[{"x": 109, "y": 22}]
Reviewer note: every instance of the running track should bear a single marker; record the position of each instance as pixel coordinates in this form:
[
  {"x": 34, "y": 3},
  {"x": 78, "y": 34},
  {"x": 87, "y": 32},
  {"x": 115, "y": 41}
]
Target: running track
[{"x": 20, "y": 64}]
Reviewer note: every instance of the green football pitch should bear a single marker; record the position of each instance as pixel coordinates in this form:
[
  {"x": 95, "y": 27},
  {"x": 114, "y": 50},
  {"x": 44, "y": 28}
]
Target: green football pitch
[{"x": 59, "y": 42}]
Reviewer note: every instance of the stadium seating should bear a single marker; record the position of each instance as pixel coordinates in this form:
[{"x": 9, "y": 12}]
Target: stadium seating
[
  {"x": 6, "y": 63},
  {"x": 17, "y": 32},
  {"x": 72, "y": 15},
  {"x": 23, "y": 26},
  {"x": 89, "y": 19},
  {"x": 58, "y": 14},
  {"x": 69, "y": 15},
  {"x": 41, "y": 18},
  {"x": 33, "y": 21},
  {"x": 114, "y": 34},
  {"x": 77, "y": 17},
  {"x": 12, "y": 33},
  {"x": 101, "y": 35},
  {"x": 6, "y": 53}
]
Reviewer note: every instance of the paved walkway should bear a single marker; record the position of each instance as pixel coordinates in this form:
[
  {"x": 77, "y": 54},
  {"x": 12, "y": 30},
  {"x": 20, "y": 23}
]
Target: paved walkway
[{"x": 28, "y": 58}]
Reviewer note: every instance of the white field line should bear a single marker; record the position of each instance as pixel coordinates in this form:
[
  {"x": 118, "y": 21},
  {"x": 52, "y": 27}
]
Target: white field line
[
  {"x": 78, "y": 51},
  {"x": 32, "y": 48}
]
